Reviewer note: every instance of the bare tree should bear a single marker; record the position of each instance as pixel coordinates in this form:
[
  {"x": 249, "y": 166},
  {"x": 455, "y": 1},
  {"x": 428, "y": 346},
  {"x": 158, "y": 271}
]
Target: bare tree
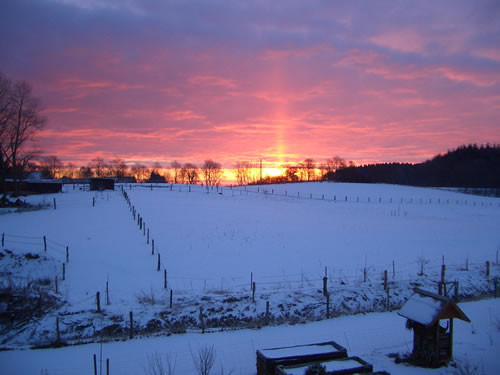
[
  {"x": 99, "y": 166},
  {"x": 21, "y": 121},
  {"x": 140, "y": 171},
  {"x": 158, "y": 365},
  {"x": 69, "y": 170},
  {"x": 204, "y": 359},
  {"x": 212, "y": 172},
  {"x": 308, "y": 167},
  {"x": 84, "y": 172},
  {"x": 176, "y": 169},
  {"x": 51, "y": 166},
  {"x": 243, "y": 171},
  {"x": 118, "y": 168},
  {"x": 189, "y": 173}
]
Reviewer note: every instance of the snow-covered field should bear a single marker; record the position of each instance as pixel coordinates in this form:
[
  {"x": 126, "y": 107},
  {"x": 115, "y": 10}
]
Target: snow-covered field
[{"x": 212, "y": 245}]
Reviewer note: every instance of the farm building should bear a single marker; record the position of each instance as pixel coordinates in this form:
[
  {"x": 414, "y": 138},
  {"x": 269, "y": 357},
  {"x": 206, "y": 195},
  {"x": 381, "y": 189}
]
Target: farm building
[
  {"x": 432, "y": 341},
  {"x": 102, "y": 184}
]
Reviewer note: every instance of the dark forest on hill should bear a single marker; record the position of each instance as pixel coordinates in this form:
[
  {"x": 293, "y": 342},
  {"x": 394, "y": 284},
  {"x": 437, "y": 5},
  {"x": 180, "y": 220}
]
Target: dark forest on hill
[{"x": 468, "y": 166}]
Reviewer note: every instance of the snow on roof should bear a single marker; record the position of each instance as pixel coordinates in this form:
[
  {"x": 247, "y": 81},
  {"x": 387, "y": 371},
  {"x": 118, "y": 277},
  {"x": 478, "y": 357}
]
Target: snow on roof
[
  {"x": 331, "y": 366},
  {"x": 298, "y": 351},
  {"x": 422, "y": 309}
]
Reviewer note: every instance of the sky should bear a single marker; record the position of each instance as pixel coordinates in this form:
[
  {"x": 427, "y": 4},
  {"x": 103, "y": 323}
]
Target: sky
[{"x": 281, "y": 81}]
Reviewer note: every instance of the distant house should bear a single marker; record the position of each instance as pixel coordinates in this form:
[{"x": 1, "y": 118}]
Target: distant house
[
  {"x": 101, "y": 184},
  {"x": 432, "y": 342}
]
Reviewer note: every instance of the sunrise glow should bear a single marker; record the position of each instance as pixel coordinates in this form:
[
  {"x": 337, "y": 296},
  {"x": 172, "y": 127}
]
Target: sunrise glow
[{"x": 158, "y": 81}]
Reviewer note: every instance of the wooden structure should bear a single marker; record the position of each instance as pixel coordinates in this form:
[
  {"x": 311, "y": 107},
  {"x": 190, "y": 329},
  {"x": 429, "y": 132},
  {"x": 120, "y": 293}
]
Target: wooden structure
[
  {"x": 35, "y": 187},
  {"x": 344, "y": 366},
  {"x": 269, "y": 359},
  {"x": 432, "y": 340},
  {"x": 101, "y": 184}
]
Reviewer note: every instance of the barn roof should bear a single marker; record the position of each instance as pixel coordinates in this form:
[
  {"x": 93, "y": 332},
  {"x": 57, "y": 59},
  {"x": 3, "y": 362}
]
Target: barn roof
[{"x": 427, "y": 308}]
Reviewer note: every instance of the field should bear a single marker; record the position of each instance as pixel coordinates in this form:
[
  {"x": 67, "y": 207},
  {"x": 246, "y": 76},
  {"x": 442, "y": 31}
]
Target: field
[{"x": 213, "y": 245}]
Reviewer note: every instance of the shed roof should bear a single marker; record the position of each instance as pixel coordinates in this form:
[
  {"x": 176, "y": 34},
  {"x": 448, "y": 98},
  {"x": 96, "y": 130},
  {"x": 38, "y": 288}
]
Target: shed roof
[{"x": 427, "y": 308}]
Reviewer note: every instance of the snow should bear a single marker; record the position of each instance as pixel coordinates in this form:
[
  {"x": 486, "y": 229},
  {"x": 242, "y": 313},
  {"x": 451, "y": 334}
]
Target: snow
[
  {"x": 421, "y": 309},
  {"x": 212, "y": 245},
  {"x": 297, "y": 351},
  {"x": 330, "y": 366}
]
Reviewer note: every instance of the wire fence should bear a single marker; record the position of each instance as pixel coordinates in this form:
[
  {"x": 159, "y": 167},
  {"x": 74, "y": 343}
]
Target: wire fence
[{"x": 325, "y": 197}]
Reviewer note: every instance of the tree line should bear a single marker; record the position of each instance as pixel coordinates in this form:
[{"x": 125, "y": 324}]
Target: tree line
[{"x": 468, "y": 166}]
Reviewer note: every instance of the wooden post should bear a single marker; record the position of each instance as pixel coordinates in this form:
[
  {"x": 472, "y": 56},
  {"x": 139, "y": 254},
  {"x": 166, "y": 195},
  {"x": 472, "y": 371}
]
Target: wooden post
[
  {"x": 253, "y": 292},
  {"x": 388, "y": 299},
  {"x": 440, "y": 288},
  {"x": 158, "y": 266},
  {"x": 171, "y": 297},
  {"x": 495, "y": 280},
  {"x": 64, "y": 271},
  {"x": 107, "y": 293},
  {"x": 455, "y": 297},
  {"x": 107, "y": 366},
  {"x": 57, "y": 289},
  {"x": 95, "y": 365},
  {"x": 67, "y": 254},
  {"x": 251, "y": 280},
  {"x": 385, "y": 280},
  {"x": 443, "y": 272},
  {"x": 147, "y": 241},
  {"x": 152, "y": 247},
  {"x": 202, "y": 324},
  {"x": 497, "y": 259},
  {"x": 98, "y": 301},
  {"x": 164, "y": 279},
  {"x": 487, "y": 268},
  {"x": 131, "y": 328},
  {"x": 325, "y": 286},
  {"x": 364, "y": 274},
  {"x": 58, "y": 334},
  {"x": 55, "y": 206},
  {"x": 3, "y": 239},
  {"x": 267, "y": 309},
  {"x": 93, "y": 201},
  {"x": 327, "y": 306},
  {"x": 44, "y": 243},
  {"x": 442, "y": 260},
  {"x": 144, "y": 229}
]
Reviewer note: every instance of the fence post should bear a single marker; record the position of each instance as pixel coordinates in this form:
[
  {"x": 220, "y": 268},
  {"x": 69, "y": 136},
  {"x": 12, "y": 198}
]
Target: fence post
[
  {"x": 64, "y": 271},
  {"x": 440, "y": 288},
  {"x": 455, "y": 297},
  {"x": 385, "y": 280},
  {"x": 3, "y": 239},
  {"x": 158, "y": 267},
  {"x": 325, "y": 286},
  {"x": 147, "y": 241},
  {"x": 267, "y": 310},
  {"x": 393, "y": 270},
  {"x": 58, "y": 335},
  {"x": 251, "y": 280},
  {"x": 152, "y": 247},
  {"x": 327, "y": 306},
  {"x": 98, "y": 301},
  {"x": 55, "y": 206},
  {"x": 131, "y": 328},
  {"x": 202, "y": 323},
  {"x": 95, "y": 365},
  {"x": 388, "y": 299},
  {"x": 487, "y": 268},
  {"x": 253, "y": 292},
  {"x": 107, "y": 293},
  {"x": 165, "y": 279},
  {"x": 67, "y": 254},
  {"x": 171, "y": 297},
  {"x": 107, "y": 366},
  {"x": 364, "y": 274},
  {"x": 57, "y": 289},
  {"x": 44, "y": 243},
  {"x": 443, "y": 272}
]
